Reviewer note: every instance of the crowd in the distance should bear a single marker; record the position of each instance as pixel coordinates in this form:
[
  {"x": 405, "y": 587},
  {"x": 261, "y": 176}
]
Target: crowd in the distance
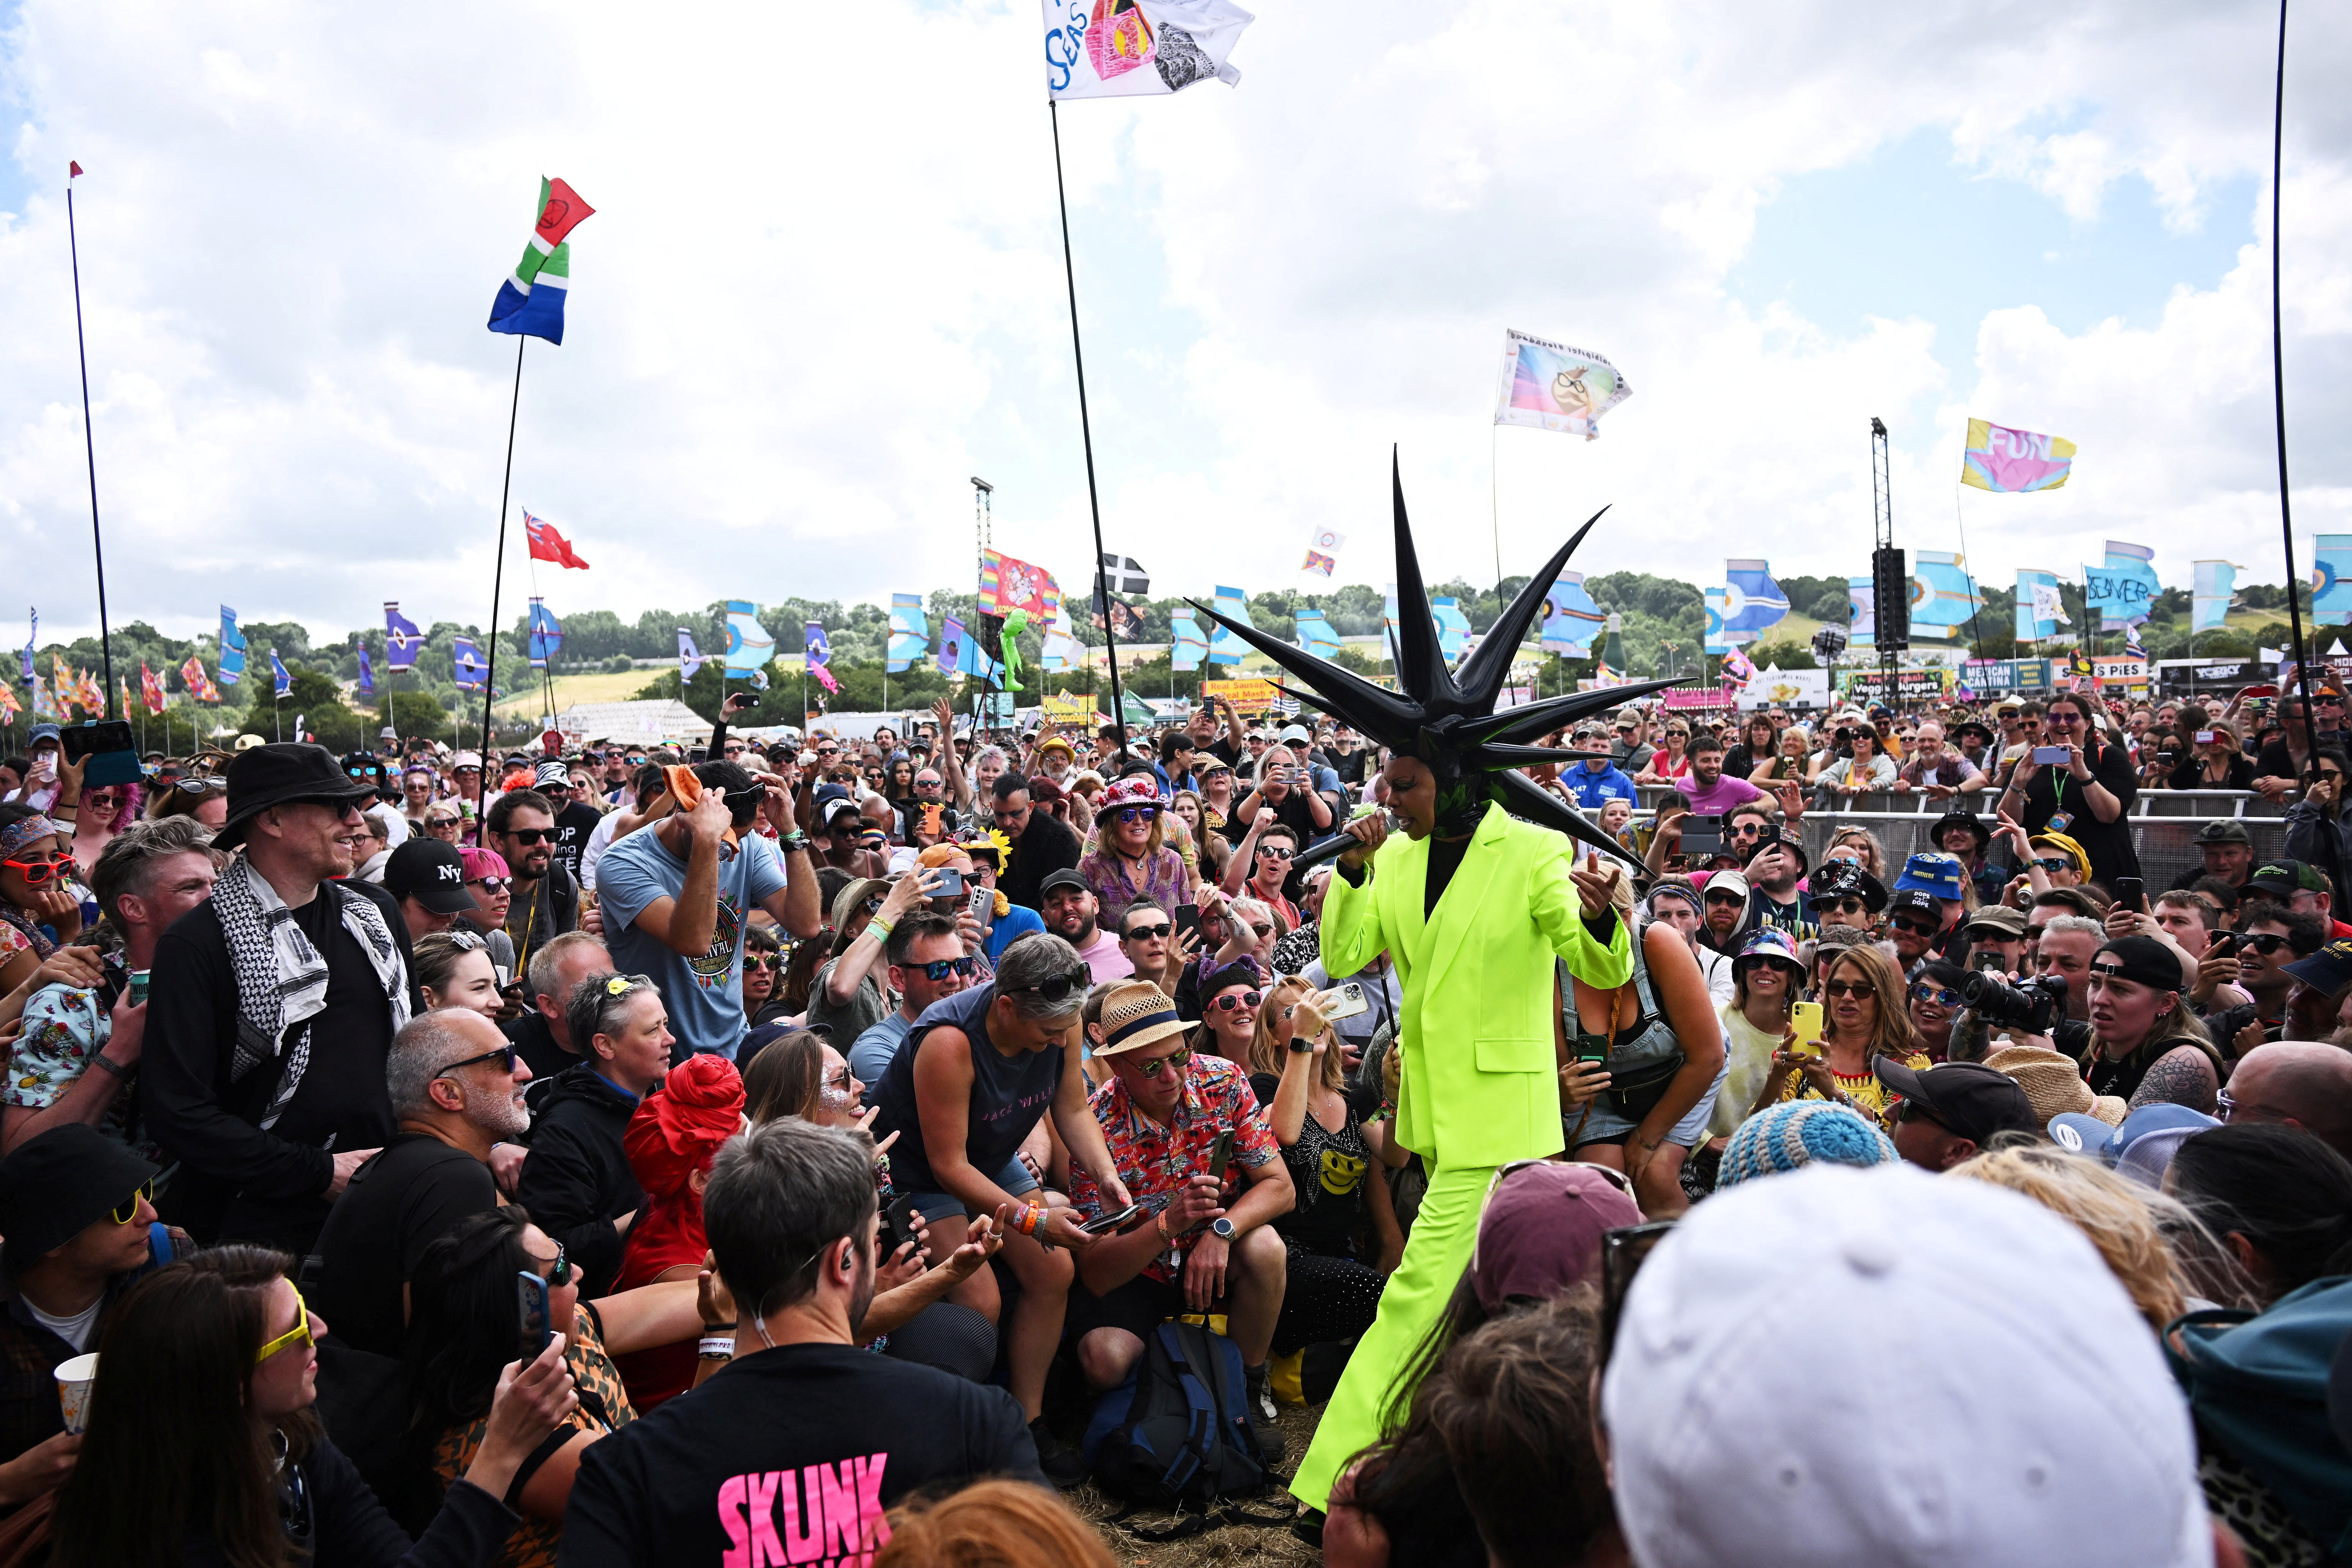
[{"x": 652, "y": 1153}]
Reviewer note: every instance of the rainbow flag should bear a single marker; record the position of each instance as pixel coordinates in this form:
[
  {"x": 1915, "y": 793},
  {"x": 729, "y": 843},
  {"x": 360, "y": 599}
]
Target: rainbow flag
[
  {"x": 2001, "y": 460},
  {"x": 1007, "y": 584},
  {"x": 151, "y": 685},
  {"x": 199, "y": 684}
]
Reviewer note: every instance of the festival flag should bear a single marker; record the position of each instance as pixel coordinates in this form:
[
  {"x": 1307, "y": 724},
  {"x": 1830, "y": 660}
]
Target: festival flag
[
  {"x": 1715, "y": 640},
  {"x": 820, "y": 654},
  {"x": 548, "y": 544},
  {"x": 1007, "y": 584},
  {"x": 1316, "y": 636},
  {"x": 2331, "y": 580},
  {"x": 367, "y": 674},
  {"x": 2209, "y": 600},
  {"x": 690, "y": 657},
  {"x": 2004, "y": 461},
  {"x": 150, "y": 687},
  {"x": 232, "y": 649},
  {"x": 911, "y": 632},
  {"x": 1224, "y": 647},
  {"x": 1125, "y": 622},
  {"x": 532, "y": 300},
  {"x": 2122, "y": 592},
  {"x": 1134, "y": 48},
  {"x": 748, "y": 645},
  {"x": 1190, "y": 645},
  {"x": 401, "y": 639},
  {"x": 1862, "y": 614},
  {"x": 1571, "y": 620},
  {"x": 1550, "y": 386},
  {"x": 93, "y": 693},
  {"x": 955, "y": 648},
  {"x": 285, "y": 682},
  {"x": 1125, "y": 574},
  {"x": 30, "y": 644},
  {"x": 65, "y": 682},
  {"x": 1322, "y": 552},
  {"x": 473, "y": 674},
  {"x": 1752, "y": 602},
  {"x": 9, "y": 706},
  {"x": 199, "y": 684},
  {"x": 45, "y": 701},
  {"x": 1453, "y": 627},
  {"x": 2041, "y": 610},
  {"x": 1738, "y": 670},
  {"x": 543, "y": 635},
  {"x": 1943, "y": 594},
  {"x": 2132, "y": 644}
]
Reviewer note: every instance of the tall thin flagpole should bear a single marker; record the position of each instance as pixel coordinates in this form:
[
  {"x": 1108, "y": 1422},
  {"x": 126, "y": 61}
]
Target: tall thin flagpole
[
  {"x": 498, "y": 578},
  {"x": 89, "y": 447},
  {"x": 1086, "y": 431}
]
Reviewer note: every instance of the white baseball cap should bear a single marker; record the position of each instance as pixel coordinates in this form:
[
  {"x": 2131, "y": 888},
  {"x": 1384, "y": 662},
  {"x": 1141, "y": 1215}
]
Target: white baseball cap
[{"x": 1983, "y": 1394}]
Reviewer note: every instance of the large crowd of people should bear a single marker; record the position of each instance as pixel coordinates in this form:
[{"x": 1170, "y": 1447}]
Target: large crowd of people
[{"x": 784, "y": 1148}]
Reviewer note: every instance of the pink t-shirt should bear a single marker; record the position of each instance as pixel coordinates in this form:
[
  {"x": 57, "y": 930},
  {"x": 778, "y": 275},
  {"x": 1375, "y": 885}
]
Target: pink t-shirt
[
  {"x": 1722, "y": 796},
  {"x": 1105, "y": 959}
]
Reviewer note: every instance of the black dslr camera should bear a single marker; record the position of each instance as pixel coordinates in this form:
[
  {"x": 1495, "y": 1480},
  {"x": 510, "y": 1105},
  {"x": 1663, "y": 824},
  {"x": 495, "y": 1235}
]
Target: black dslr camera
[{"x": 2032, "y": 1006}]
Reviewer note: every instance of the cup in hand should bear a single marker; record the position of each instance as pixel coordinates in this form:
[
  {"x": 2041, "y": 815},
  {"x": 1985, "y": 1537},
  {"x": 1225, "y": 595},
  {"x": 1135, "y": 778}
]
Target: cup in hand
[{"x": 76, "y": 1377}]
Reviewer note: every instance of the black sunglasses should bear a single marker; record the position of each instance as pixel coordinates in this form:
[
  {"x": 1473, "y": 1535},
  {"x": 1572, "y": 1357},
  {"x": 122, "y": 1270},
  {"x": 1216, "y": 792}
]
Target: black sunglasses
[
  {"x": 504, "y": 1056},
  {"x": 527, "y": 837},
  {"x": 1917, "y": 928},
  {"x": 1056, "y": 988},
  {"x": 1148, "y": 933}
]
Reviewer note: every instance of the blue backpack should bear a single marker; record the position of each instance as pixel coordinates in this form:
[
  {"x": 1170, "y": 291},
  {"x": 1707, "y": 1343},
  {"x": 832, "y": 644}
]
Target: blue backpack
[
  {"x": 1176, "y": 1433},
  {"x": 2258, "y": 1385}
]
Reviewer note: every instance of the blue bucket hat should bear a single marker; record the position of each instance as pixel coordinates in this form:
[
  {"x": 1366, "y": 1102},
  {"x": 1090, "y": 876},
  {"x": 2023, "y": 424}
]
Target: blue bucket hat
[
  {"x": 1932, "y": 873},
  {"x": 1770, "y": 942}
]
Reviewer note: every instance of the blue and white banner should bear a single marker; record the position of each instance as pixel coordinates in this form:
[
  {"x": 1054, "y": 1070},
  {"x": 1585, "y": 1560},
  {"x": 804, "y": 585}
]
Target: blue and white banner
[
  {"x": 545, "y": 635},
  {"x": 232, "y": 649},
  {"x": 277, "y": 673},
  {"x": 1453, "y": 627},
  {"x": 1191, "y": 645},
  {"x": 748, "y": 646},
  {"x": 1137, "y": 48},
  {"x": 690, "y": 657},
  {"x": 1571, "y": 620},
  {"x": 1752, "y": 601},
  {"x": 2041, "y": 611},
  {"x": 2213, "y": 584},
  {"x": 1225, "y": 648},
  {"x": 2331, "y": 580},
  {"x": 1862, "y": 613},
  {"x": 473, "y": 673},
  {"x": 1717, "y": 642},
  {"x": 1943, "y": 594},
  {"x": 1316, "y": 636},
  {"x": 910, "y": 633},
  {"x": 401, "y": 639},
  {"x": 2123, "y": 591}
]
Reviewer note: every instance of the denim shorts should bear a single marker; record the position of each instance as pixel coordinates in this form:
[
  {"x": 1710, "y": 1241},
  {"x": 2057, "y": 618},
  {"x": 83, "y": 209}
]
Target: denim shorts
[
  {"x": 1606, "y": 1126},
  {"x": 1014, "y": 1179}
]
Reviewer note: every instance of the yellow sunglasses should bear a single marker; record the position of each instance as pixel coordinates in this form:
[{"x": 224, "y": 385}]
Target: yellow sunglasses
[{"x": 300, "y": 1331}]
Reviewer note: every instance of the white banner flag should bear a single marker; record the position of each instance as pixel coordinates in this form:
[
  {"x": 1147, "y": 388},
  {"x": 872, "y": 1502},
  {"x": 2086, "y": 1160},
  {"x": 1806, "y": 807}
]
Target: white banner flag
[{"x": 1132, "y": 49}]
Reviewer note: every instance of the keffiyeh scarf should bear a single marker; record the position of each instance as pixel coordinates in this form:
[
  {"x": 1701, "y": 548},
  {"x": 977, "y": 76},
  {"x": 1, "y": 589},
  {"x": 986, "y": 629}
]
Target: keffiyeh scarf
[{"x": 281, "y": 979}]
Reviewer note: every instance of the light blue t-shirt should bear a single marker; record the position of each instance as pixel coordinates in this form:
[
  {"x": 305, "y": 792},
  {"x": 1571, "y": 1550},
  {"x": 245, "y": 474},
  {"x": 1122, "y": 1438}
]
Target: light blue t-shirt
[
  {"x": 704, "y": 994},
  {"x": 871, "y": 1052}
]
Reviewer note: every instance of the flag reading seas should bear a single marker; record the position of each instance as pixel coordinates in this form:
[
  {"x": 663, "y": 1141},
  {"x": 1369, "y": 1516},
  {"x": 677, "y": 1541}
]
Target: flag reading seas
[
  {"x": 1550, "y": 386},
  {"x": 2001, "y": 459},
  {"x": 1130, "y": 48},
  {"x": 531, "y": 302}
]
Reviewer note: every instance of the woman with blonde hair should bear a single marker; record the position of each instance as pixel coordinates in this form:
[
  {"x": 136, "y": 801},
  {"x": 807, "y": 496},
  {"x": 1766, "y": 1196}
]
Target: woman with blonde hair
[
  {"x": 1791, "y": 763},
  {"x": 1864, "y": 1017},
  {"x": 2129, "y": 1223},
  {"x": 1863, "y": 849},
  {"x": 994, "y": 1524},
  {"x": 204, "y": 798}
]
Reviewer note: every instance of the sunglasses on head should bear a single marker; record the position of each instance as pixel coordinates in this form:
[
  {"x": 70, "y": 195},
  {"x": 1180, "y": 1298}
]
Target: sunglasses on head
[
  {"x": 939, "y": 968},
  {"x": 1230, "y": 1000},
  {"x": 527, "y": 837},
  {"x": 1057, "y": 987}
]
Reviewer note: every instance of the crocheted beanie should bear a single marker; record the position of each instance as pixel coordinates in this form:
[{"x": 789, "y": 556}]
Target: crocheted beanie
[{"x": 1800, "y": 1132}]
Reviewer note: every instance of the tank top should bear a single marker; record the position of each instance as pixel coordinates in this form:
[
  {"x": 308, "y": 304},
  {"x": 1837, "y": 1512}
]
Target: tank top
[
  {"x": 1008, "y": 1094},
  {"x": 1648, "y": 1040}
]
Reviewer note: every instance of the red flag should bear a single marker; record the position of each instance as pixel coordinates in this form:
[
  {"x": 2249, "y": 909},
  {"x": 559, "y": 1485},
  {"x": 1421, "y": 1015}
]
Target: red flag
[
  {"x": 563, "y": 212},
  {"x": 150, "y": 687},
  {"x": 546, "y": 544},
  {"x": 73, "y": 170}
]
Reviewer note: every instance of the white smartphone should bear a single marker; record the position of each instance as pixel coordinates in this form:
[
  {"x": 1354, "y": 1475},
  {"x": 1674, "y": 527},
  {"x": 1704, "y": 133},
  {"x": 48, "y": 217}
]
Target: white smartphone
[{"x": 1349, "y": 1002}]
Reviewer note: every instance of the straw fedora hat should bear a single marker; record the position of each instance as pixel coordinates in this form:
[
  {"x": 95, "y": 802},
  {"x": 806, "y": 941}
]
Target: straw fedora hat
[
  {"x": 1135, "y": 1013},
  {"x": 2053, "y": 1084}
]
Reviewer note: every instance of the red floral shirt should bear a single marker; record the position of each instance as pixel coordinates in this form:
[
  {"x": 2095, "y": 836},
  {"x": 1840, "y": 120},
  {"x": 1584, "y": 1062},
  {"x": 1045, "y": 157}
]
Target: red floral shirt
[{"x": 1153, "y": 1161}]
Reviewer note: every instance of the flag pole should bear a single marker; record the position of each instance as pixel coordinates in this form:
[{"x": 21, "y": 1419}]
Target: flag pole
[
  {"x": 498, "y": 578},
  {"x": 1086, "y": 431},
  {"x": 89, "y": 449}
]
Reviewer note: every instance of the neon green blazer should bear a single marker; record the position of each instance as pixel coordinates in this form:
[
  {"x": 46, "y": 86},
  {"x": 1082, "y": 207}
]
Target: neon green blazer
[{"x": 1478, "y": 1085}]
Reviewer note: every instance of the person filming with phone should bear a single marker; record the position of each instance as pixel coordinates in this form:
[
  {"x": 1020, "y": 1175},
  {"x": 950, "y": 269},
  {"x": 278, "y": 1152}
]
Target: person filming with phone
[
  {"x": 2073, "y": 783},
  {"x": 1176, "y": 1123},
  {"x": 979, "y": 1069}
]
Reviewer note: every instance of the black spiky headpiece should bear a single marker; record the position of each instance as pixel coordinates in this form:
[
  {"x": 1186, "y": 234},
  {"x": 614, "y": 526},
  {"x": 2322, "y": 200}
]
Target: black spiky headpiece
[{"x": 1446, "y": 717}]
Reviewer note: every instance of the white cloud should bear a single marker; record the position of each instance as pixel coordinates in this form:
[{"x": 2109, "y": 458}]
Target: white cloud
[{"x": 824, "y": 287}]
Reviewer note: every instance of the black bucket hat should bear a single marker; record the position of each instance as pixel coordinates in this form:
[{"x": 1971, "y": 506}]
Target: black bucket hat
[{"x": 281, "y": 774}]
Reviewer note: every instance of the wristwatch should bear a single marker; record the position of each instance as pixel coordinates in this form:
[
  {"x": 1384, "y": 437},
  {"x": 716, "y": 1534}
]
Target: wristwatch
[
  {"x": 1222, "y": 1228},
  {"x": 1299, "y": 1045}
]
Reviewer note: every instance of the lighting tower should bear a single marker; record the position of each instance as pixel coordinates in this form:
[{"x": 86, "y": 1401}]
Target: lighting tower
[{"x": 1890, "y": 584}]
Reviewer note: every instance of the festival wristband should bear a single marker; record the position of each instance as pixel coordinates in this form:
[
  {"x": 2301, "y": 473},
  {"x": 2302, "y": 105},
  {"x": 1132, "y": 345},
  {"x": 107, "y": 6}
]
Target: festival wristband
[
  {"x": 718, "y": 1348},
  {"x": 1029, "y": 1219},
  {"x": 793, "y": 843},
  {"x": 880, "y": 931}
]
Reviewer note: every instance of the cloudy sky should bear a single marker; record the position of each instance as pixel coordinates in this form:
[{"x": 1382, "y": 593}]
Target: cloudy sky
[{"x": 824, "y": 287}]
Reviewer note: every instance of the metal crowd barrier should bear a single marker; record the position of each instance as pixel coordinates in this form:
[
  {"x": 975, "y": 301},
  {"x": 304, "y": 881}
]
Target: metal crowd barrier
[{"x": 2164, "y": 824}]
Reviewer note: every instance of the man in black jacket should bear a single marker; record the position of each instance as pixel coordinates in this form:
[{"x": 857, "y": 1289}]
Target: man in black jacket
[
  {"x": 576, "y": 1183},
  {"x": 545, "y": 900},
  {"x": 1041, "y": 845},
  {"x": 272, "y": 1008}
]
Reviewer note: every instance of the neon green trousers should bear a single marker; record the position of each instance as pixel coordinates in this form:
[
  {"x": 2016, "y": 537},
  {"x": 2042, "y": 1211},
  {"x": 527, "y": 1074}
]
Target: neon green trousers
[{"x": 1435, "y": 1257}]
